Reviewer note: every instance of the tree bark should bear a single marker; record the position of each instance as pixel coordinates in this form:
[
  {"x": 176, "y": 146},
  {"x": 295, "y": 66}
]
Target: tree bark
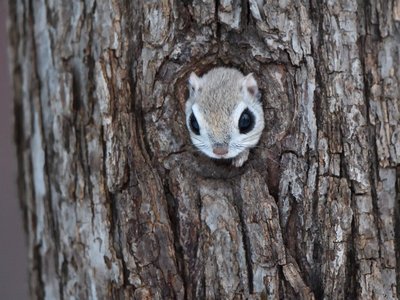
[{"x": 119, "y": 205}]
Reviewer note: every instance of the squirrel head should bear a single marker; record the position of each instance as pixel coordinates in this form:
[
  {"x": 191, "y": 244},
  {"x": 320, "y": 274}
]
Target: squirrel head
[{"x": 224, "y": 114}]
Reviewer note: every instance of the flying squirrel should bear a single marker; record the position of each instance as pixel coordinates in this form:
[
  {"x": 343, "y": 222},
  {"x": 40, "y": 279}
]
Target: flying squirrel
[{"x": 224, "y": 114}]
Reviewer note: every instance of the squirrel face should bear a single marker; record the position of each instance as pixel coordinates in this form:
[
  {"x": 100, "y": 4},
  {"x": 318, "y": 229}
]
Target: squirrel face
[{"x": 223, "y": 113}]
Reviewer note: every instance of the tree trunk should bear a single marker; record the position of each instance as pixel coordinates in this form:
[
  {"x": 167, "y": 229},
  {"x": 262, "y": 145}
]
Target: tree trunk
[{"x": 119, "y": 205}]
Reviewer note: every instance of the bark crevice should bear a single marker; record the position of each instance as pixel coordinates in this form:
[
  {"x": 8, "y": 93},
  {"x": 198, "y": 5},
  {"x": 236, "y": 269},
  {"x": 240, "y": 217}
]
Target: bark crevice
[
  {"x": 245, "y": 239},
  {"x": 397, "y": 228},
  {"x": 175, "y": 226}
]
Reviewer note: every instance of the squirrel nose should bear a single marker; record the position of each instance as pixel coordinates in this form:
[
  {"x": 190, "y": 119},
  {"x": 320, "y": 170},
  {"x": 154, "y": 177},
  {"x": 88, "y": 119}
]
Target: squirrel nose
[{"x": 220, "y": 149}]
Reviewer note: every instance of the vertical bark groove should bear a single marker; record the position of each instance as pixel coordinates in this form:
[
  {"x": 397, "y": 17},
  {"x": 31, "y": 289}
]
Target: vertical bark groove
[
  {"x": 245, "y": 240},
  {"x": 397, "y": 228}
]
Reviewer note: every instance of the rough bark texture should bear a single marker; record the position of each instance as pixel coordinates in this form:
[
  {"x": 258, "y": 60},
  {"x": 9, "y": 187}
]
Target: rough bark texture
[{"x": 118, "y": 204}]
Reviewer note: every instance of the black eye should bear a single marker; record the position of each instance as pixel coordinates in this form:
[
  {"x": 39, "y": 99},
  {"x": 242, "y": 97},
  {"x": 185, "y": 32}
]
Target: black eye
[
  {"x": 246, "y": 121},
  {"x": 194, "y": 125}
]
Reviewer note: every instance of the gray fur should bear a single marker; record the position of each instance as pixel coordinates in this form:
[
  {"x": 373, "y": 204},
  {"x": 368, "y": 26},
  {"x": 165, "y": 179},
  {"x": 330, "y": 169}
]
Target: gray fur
[{"x": 217, "y": 95}]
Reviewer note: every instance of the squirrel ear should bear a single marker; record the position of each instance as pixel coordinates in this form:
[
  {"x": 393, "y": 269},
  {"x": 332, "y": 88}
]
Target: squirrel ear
[
  {"x": 194, "y": 82},
  {"x": 250, "y": 84}
]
